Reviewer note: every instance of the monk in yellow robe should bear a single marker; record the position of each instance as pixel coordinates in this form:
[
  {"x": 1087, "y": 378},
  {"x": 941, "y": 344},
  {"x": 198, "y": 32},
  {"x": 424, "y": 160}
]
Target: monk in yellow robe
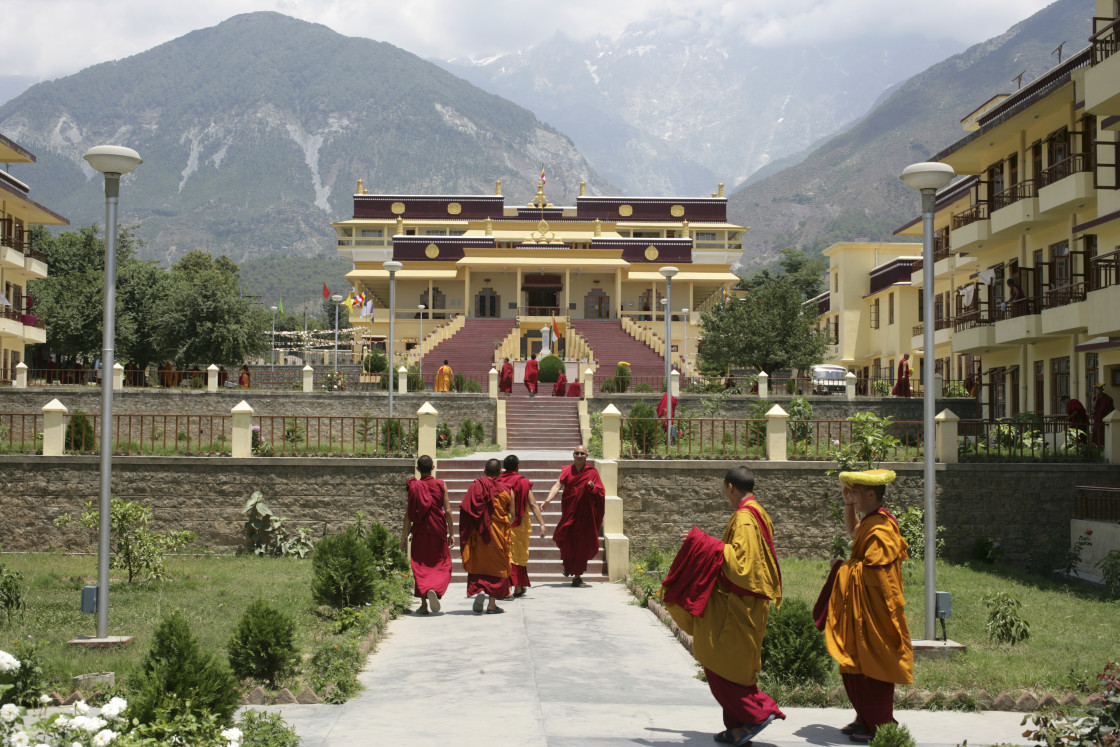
[
  {"x": 443, "y": 378},
  {"x": 521, "y": 531},
  {"x": 865, "y": 627},
  {"x": 484, "y": 538},
  {"x": 720, "y": 591}
]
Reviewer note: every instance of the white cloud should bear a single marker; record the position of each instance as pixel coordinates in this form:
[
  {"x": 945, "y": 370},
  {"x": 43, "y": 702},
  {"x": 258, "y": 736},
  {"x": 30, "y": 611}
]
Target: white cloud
[{"x": 59, "y": 37}]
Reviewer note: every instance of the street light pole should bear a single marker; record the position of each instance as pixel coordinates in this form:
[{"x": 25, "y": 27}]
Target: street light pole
[
  {"x": 668, "y": 273},
  {"x": 393, "y": 267},
  {"x": 684, "y": 357},
  {"x": 337, "y": 300},
  {"x": 928, "y": 177},
  {"x": 272, "y": 357},
  {"x": 112, "y": 161},
  {"x": 421, "y": 345}
]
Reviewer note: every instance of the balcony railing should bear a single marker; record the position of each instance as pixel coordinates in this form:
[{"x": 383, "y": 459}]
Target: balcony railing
[
  {"x": 539, "y": 311},
  {"x": 971, "y": 319},
  {"x": 977, "y": 212},
  {"x": 1104, "y": 271},
  {"x": 20, "y": 245},
  {"x": 1021, "y": 191},
  {"x": 1075, "y": 164},
  {"x": 941, "y": 248},
  {"x": 1106, "y": 39},
  {"x": 1064, "y": 296}
]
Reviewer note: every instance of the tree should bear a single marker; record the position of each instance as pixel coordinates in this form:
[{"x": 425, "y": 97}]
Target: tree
[
  {"x": 203, "y": 319},
  {"x": 770, "y": 329},
  {"x": 806, "y": 273},
  {"x": 141, "y": 288}
]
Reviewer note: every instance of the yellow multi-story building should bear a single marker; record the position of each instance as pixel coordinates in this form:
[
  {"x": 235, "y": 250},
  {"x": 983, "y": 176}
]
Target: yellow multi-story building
[
  {"x": 537, "y": 266},
  {"x": 20, "y": 261},
  {"x": 1026, "y": 249}
]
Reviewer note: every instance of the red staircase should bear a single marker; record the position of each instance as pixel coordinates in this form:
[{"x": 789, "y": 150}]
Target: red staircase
[
  {"x": 471, "y": 349},
  {"x": 610, "y": 345},
  {"x": 544, "y": 557},
  {"x": 541, "y": 423}
]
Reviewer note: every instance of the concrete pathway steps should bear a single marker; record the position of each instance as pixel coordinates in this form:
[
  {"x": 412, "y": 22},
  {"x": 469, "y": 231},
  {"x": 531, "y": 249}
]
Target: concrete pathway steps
[{"x": 566, "y": 667}]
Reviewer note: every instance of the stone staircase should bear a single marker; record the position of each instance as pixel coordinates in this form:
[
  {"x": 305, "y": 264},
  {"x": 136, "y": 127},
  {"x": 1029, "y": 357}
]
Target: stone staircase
[
  {"x": 541, "y": 423},
  {"x": 471, "y": 349},
  {"x": 544, "y": 557},
  {"x": 610, "y": 344}
]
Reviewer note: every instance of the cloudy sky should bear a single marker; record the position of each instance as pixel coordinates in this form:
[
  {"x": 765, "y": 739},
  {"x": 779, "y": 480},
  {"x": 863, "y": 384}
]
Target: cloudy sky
[{"x": 51, "y": 38}]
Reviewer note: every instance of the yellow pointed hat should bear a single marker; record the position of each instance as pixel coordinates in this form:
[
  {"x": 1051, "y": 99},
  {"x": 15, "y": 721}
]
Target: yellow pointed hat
[{"x": 867, "y": 477}]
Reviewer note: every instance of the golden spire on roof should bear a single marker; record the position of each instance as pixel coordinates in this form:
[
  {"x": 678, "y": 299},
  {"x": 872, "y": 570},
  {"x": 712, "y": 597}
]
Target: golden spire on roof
[
  {"x": 498, "y": 187},
  {"x": 490, "y": 225},
  {"x": 540, "y": 201},
  {"x": 583, "y": 189},
  {"x": 360, "y": 190}
]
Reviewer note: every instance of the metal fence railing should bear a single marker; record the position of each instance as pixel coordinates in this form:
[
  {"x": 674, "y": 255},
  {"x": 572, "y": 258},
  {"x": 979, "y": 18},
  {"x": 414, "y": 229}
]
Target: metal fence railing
[
  {"x": 1097, "y": 503},
  {"x": 19, "y": 432},
  {"x": 309, "y": 435},
  {"x": 151, "y": 434},
  {"x": 1045, "y": 439},
  {"x": 814, "y": 439},
  {"x": 693, "y": 438}
]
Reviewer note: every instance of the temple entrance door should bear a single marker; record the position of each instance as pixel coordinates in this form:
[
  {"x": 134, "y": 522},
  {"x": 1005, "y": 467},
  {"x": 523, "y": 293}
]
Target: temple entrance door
[
  {"x": 597, "y": 305},
  {"x": 541, "y": 303},
  {"x": 487, "y": 304}
]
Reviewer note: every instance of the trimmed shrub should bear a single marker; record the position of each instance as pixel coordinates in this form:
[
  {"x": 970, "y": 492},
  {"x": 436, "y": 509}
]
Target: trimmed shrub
[
  {"x": 609, "y": 386},
  {"x": 385, "y": 548},
  {"x": 793, "y": 649},
  {"x": 263, "y": 646},
  {"x": 375, "y": 362},
  {"x": 178, "y": 677},
  {"x": 266, "y": 730},
  {"x": 551, "y": 366},
  {"x": 641, "y": 427},
  {"x": 622, "y": 376},
  {"x": 893, "y": 735},
  {"x": 79, "y": 433},
  {"x": 344, "y": 570},
  {"x": 458, "y": 382}
]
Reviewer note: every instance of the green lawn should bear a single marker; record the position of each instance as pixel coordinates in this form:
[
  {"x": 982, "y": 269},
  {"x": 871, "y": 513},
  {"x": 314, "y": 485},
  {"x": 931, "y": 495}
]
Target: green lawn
[
  {"x": 1074, "y": 628},
  {"x": 211, "y": 591}
]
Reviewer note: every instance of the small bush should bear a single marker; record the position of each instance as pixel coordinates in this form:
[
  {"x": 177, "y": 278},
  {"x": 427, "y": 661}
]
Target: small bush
[
  {"x": 458, "y": 382},
  {"x": 79, "y": 433},
  {"x": 642, "y": 428},
  {"x": 881, "y": 388},
  {"x": 393, "y": 436},
  {"x": 987, "y": 549},
  {"x": 465, "y": 435},
  {"x": 472, "y": 387},
  {"x": 893, "y": 735},
  {"x": 912, "y": 525},
  {"x": 263, "y": 646},
  {"x": 956, "y": 389},
  {"x": 177, "y": 677},
  {"x": 609, "y": 386},
  {"x": 643, "y": 388},
  {"x": 551, "y": 366},
  {"x": 443, "y": 436},
  {"x": 793, "y": 648},
  {"x": 29, "y": 681},
  {"x": 11, "y": 593},
  {"x": 266, "y": 730},
  {"x": 374, "y": 362},
  {"x": 622, "y": 377},
  {"x": 1109, "y": 567},
  {"x": 1004, "y": 623},
  {"x": 337, "y": 664},
  {"x": 385, "y": 548},
  {"x": 344, "y": 570}
]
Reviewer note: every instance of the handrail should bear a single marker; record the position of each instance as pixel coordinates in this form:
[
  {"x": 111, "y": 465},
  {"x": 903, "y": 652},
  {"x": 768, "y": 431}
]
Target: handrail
[
  {"x": 1076, "y": 163},
  {"x": 979, "y": 211},
  {"x": 1021, "y": 191}
]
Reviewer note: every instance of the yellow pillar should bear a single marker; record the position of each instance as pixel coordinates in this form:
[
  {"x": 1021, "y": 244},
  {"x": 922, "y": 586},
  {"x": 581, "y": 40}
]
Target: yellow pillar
[
  {"x": 241, "y": 445},
  {"x": 427, "y": 417},
  {"x": 567, "y": 294},
  {"x": 466, "y": 291},
  {"x": 54, "y": 428},
  {"x": 618, "y": 292},
  {"x": 776, "y": 419}
]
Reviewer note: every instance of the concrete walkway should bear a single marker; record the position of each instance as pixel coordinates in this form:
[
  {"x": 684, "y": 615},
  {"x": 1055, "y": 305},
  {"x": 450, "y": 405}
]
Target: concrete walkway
[{"x": 565, "y": 667}]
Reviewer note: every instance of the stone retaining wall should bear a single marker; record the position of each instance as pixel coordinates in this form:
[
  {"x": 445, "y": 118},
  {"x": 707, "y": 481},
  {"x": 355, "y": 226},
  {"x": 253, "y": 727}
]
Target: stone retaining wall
[{"x": 1028, "y": 507}]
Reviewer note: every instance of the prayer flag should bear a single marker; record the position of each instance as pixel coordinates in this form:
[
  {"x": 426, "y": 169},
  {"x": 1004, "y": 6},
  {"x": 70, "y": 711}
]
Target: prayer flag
[
  {"x": 326, "y": 292},
  {"x": 555, "y": 329},
  {"x": 542, "y": 176}
]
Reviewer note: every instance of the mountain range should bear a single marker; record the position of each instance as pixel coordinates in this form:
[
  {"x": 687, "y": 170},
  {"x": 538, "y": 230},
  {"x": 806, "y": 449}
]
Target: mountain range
[{"x": 254, "y": 132}]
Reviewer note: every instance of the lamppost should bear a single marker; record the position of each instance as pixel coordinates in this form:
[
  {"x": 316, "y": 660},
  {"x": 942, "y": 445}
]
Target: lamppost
[
  {"x": 337, "y": 302},
  {"x": 668, "y": 273},
  {"x": 272, "y": 357},
  {"x": 928, "y": 177},
  {"x": 392, "y": 267},
  {"x": 112, "y": 161},
  {"x": 421, "y": 345},
  {"x": 684, "y": 357}
]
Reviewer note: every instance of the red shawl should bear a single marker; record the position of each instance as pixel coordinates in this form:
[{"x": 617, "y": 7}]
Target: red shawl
[
  {"x": 425, "y": 505},
  {"x": 519, "y": 487},
  {"x": 694, "y": 571},
  {"x": 531, "y": 369},
  {"x": 663, "y": 411},
  {"x": 505, "y": 378},
  {"x": 561, "y": 387},
  {"x": 474, "y": 511},
  {"x": 582, "y": 506}
]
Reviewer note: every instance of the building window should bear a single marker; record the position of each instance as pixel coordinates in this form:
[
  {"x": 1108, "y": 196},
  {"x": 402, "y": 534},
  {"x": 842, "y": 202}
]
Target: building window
[
  {"x": 657, "y": 235},
  {"x": 997, "y": 400},
  {"x": 1059, "y": 264},
  {"x": 890, "y": 309},
  {"x": 921, "y": 305},
  {"x": 834, "y": 331},
  {"x": 1059, "y": 383},
  {"x": 1039, "y": 388},
  {"x": 875, "y": 314},
  {"x": 700, "y": 235},
  {"x": 1092, "y": 373},
  {"x": 439, "y": 301},
  {"x": 372, "y": 233}
]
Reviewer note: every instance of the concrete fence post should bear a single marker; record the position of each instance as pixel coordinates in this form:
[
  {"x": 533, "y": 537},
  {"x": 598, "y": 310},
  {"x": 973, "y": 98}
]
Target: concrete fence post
[
  {"x": 675, "y": 382},
  {"x": 493, "y": 383},
  {"x": 241, "y": 444},
  {"x": 118, "y": 377},
  {"x": 938, "y": 384},
  {"x": 945, "y": 427},
  {"x": 502, "y": 435},
  {"x": 776, "y": 419},
  {"x": 427, "y": 416},
  {"x": 21, "y": 375},
  {"x": 763, "y": 385},
  {"x": 308, "y": 378},
  {"x": 402, "y": 380},
  {"x": 612, "y": 433},
  {"x": 211, "y": 378},
  {"x": 588, "y": 381},
  {"x": 850, "y": 386},
  {"x": 54, "y": 428},
  {"x": 1111, "y": 437},
  {"x": 584, "y": 421}
]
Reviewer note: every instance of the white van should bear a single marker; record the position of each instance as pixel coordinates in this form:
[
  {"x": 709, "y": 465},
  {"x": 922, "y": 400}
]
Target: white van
[{"x": 828, "y": 379}]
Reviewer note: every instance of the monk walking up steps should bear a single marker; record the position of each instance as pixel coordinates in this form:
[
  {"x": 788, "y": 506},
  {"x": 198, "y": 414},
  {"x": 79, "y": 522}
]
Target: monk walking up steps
[
  {"x": 505, "y": 378},
  {"x": 582, "y": 506},
  {"x": 428, "y": 520},
  {"x": 532, "y": 373},
  {"x": 484, "y": 539},
  {"x": 719, "y": 591},
  {"x": 522, "y": 526}
]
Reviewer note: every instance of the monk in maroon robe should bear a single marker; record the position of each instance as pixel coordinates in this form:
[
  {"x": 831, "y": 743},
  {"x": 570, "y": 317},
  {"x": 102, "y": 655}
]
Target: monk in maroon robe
[
  {"x": 505, "y": 378},
  {"x": 484, "y": 538},
  {"x": 663, "y": 411},
  {"x": 532, "y": 368},
  {"x": 561, "y": 387},
  {"x": 902, "y": 385},
  {"x": 582, "y": 507},
  {"x": 521, "y": 531},
  {"x": 428, "y": 520},
  {"x": 1102, "y": 405}
]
